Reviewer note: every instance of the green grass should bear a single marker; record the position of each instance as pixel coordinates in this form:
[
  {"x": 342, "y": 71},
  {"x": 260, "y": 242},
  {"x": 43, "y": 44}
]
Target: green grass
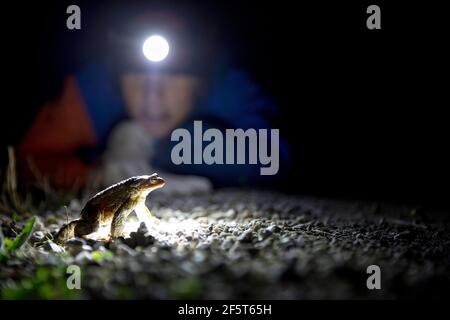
[{"x": 46, "y": 283}]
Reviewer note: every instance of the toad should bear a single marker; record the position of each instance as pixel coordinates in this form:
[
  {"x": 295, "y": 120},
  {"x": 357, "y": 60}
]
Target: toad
[{"x": 112, "y": 207}]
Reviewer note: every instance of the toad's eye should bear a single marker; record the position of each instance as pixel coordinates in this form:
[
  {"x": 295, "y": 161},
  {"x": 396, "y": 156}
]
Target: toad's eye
[{"x": 153, "y": 179}]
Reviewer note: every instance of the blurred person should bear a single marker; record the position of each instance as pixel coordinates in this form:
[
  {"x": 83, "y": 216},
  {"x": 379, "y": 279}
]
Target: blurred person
[{"x": 114, "y": 118}]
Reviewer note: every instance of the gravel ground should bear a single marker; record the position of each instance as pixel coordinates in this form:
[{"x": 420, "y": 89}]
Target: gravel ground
[{"x": 241, "y": 244}]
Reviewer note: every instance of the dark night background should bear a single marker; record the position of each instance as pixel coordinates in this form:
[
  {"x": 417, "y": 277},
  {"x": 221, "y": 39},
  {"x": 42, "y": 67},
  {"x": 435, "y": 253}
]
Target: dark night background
[{"x": 365, "y": 111}]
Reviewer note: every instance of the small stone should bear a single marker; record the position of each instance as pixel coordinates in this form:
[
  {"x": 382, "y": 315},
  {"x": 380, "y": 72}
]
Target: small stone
[
  {"x": 273, "y": 228},
  {"x": 75, "y": 246},
  {"x": 216, "y": 229},
  {"x": 143, "y": 239},
  {"x": 99, "y": 246},
  {"x": 53, "y": 247},
  {"x": 142, "y": 228},
  {"x": 75, "y": 242},
  {"x": 246, "y": 236},
  {"x": 83, "y": 257},
  {"x": 140, "y": 239},
  {"x": 87, "y": 248},
  {"x": 37, "y": 236},
  {"x": 227, "y": 244},
  {"x": 122, "y": 249},
  {"x": 230, "y": 214},
  {"x": 203, "y": 246},
  {"x": 53, "y": 228},
  {"x": 131, "y": 241},
  {"x": 264, "y": 233}
]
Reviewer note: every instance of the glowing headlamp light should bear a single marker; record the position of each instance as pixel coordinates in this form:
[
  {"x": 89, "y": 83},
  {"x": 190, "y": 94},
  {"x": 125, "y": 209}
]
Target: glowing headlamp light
[{"x": 155, "y": 48}]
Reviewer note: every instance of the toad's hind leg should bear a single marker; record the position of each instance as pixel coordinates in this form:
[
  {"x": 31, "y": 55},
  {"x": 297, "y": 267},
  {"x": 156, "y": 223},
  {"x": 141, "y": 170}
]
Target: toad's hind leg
[{"x": 86, "y": 227}]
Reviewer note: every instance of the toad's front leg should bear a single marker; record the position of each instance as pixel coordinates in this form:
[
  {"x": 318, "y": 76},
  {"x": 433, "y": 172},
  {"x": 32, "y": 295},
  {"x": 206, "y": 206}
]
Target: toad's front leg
[
  {"x": 144, "y": 215},
  {"x": 119, "y": 220}
]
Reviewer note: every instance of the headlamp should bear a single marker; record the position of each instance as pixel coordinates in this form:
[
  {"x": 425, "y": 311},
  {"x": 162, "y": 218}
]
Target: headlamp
[{"x": 155, "y": 48}]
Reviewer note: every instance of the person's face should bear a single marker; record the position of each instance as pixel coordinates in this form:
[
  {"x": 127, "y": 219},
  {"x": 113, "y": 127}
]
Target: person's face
[{"x": 159, "y": 102}]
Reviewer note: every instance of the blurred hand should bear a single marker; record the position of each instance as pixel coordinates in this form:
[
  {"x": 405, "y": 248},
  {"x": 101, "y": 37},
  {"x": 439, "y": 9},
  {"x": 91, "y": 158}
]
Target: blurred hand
[{"x": 178, "y": 184}]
